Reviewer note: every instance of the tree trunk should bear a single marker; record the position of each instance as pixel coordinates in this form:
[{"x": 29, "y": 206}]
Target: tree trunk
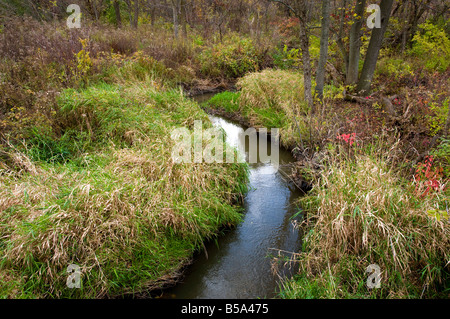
[
  {"x": 93, "y": 7},
  {"x": 405, "y": 29},
  {"x": 339, "y": 41},
  {"x": 355, "y": 44},
  {"x": 306, "y": 59},
  {"x": 175, "y": 10},
  {"x": 152, "y": 16},
  {"x": 301, "y": 9},
  {"x": 117, "y": 10},
  {"x": 183, "y": 17},
  {"x": 320, "y": 75},
  {"x": 130, "y": 11},
  {"x": 412, "y": 13},
  {"x": 136, "y": 14},
  {"x": 373, "y": 50}
]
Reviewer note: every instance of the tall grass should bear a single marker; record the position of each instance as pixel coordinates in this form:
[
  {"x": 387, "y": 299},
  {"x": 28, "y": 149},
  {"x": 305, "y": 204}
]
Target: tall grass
[
  {"x": 360, "y": 212},
  {"x": 120, "y": 208},
  {"x": 226, "y": 101},
  {"x": 40, "y": 59}
]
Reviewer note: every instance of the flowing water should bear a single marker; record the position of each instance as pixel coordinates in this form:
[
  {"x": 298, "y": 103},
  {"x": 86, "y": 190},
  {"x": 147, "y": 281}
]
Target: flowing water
[{"x": 239, "y": 263}]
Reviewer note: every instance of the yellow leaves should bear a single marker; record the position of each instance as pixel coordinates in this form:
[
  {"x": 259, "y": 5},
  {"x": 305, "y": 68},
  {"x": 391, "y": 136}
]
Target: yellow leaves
[
  {"x": 439, "y": 214},
  {"x": 84, "y": 62},
  {"x": 83, "y": 42}
]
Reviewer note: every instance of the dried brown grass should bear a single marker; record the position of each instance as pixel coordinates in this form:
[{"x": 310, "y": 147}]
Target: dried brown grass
[{"x": 361, "y": 214}]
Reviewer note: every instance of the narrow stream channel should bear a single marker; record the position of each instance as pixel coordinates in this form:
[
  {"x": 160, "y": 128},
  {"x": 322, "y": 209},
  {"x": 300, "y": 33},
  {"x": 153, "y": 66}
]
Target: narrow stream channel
[{"x": 239, "y": 264}]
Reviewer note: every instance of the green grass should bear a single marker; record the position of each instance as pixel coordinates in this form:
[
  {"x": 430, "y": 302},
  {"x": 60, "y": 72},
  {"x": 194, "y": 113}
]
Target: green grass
[
  {"x": 114, "y": 202},
  {"x": 227, "y": 101},
  {"x": 233, "y": 57}
]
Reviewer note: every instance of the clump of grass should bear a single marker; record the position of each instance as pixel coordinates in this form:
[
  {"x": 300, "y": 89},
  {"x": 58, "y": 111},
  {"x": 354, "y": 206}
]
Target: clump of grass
[
  {"x": 274, "y": 99},
  {"x": 227, "y": 101},
  {"x": 271, "y": 99},
  {"x": 362, "y": 213},
  {"x": 233, "y": 57},
  {"x": 120, "y": 208}
]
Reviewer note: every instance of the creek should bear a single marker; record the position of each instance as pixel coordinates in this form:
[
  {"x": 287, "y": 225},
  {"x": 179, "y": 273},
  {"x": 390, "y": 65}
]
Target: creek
[{"x": 239, "y": 264}]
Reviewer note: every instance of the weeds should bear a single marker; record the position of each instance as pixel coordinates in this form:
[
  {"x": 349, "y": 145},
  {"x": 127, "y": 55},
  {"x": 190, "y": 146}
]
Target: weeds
[{"x": 234, "y": 57}]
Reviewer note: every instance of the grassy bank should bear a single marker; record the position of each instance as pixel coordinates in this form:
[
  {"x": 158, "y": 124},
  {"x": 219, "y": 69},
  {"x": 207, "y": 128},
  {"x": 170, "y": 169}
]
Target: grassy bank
[
  {"x": 380, "y": 193},
  {"x": 362, "y": 212},
  {"x": 104, "y": 194},
  {"x": 86, "y": 171},
  {"x": 87, "y": 176}
]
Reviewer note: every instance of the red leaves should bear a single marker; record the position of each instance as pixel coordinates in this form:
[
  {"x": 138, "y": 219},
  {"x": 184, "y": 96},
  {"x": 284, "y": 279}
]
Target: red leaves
[
  {"x": 427, "y": 178},
  {"x": 348, "y": 138}
]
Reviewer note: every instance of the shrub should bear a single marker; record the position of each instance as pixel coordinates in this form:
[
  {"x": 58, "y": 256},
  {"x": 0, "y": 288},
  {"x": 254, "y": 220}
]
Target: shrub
[
  {"x": 286, "y": 59},
  {"x": 117, "y": 68},
  {"x": 123, "y": 44},
  {"x": 292, "y": 58},
  {"x": 432, "y": 46},
  {"x": 84, "y": 62},
  {"x": 439, "y": 117},
  {"x": 442, "y": 155},
  {"x": 392, "y": 67},
  {"x": 289, "y": 29},
  {"x": 27, "y": 95},
  {"x": 233, "y": 57}
]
